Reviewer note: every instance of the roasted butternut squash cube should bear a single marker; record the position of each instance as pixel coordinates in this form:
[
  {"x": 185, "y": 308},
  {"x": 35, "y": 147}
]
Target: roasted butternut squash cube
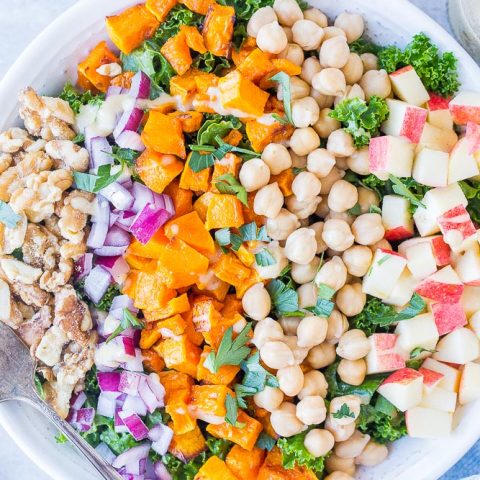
[
  {"x": 215, "y": 469},
  {"x": 245, "y": 437},
  {"x": 272, "y": 469},
  {"x": 260, "y": 135},
  {"x": 171, "y": 326},
  {"x": 182, "y": 199},
  {"x": 205, "y": 80},
  {"x": 224, "y": 211},
  {"x": 230, "y": 163},
  {"x": 204, "y": 314},
  {"x": 194, "y": 38},
  {"x": 209, "y": 284},
  {"x": 100, "y": 55},
  {"x": 160, "y": 8},
  {"x": 286, "y": 66},
  {"x": 198, "y": 6},
  {"x": 150, "y": 249},
  {"x": 182, "y": 421},
  {"x": 201, "y": 204},
  {"x": 196, "y": 181},
  {"x": 152, "y": 361},
  {"x": 188, "y": 445},
  {"x": 183, "y": 87},
  {"x": 178, "y": 386},
  {"x": 241, "y": 288},
  {"x": 176, "y": 305},
  {"x": 141, "y": 263},
  {"x": 245, "y": 256},
  {"x": 225, "y": 375},
  {"x": 130, "y": 284},
  {"x": 284, "y": 180},
  {"x": 231, "y": 270},
  {"x": 131, "y": 27},
  {"x": 151, "y": 292},
  {"x": 218, "y": 29},
  {"x": 248, "y": 45},
  {"x": 149, "y": 336},
  {"x": 176, "y": 51},
  {"x": 234, "y": 137},
  {"x": 208, "y": 400},
  {"x": 231, "y": 306},
  {"x": 164, "y": 134},
  {"x": 239, "y": 93},
  {"x": 245, "y": 464},
  {"x": 256, "y": 65},
  {"x": 191, "y": 121},
  {"x": 249, "y": 214},
  {"x": 180, "y": 354},
  {"x": 195, "y": 337}
]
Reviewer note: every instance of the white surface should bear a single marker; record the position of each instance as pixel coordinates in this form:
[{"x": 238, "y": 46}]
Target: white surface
[{"x": 20, "y": 20}]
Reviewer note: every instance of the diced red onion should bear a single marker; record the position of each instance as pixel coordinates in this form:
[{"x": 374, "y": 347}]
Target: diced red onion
[
  {"x": 118, "y": 424},
  {"x": 78, "y": 400},
  {"x": 142, "y": 195},
  {"x": 117, "y": 195},
  {"x": 84, "y": 419},
  {"x": 131, "y": 476},
  {"x": 161, "y": 436},
  {"x": 148, "y": 396},
  {"x": 97, "y": 235},
  {"x": 89, "y": 135},
  {"x": 129, "y": 382},
  {"x": 121, "y": 399},
  {"x": 121, "y": 302},
  {"x": 157, "y": 388},
  {"x": 132, "y": 455},
  {"x": 97, "y": 283},
  {"x": 148, "y": 221},
  {"x": 116, "y": 237},
  {"x": 164, "y": 202},
  {"x": 127, "y": 182},
  {"x": 161, "y": 471},
  {"x": 107, "y": 251},
  {"x": 104, "y": 451},
  {"x": 125, "y": 219},
  {"x": 113, "y": 219},
  {"x": 100, "y": 152},
  {"x": 129, "y": 345},
  {"x": 134, "y": 405},
  {"x": 130, "y": 121},
  {"x": 132, "y": 140},
  {"x": 135, "y": 425},
  {"x": 136, "y": 468},
  {"x": 140, "y": 86},
  {"x": 108, "y": 381},
  {"x": 134, "y": 364},
  {"x": 83, "y": 265},
  {"x": 113, "y": 90},
  {"x": 102, "y": 210},
  {"x": 106, "y": 404}
]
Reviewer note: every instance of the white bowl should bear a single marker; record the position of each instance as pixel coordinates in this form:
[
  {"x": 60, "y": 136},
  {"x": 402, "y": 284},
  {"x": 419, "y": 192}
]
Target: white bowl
[{"x": 52, "y": 58}]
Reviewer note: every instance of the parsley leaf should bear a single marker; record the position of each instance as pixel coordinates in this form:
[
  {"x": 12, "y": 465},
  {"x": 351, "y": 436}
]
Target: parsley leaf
[
  {"x": 217, "y": 126},
  {"x": 7, "y": 216},
  {"x": 323, "y": 308},
  {"x": 222, "y": 237},
  {"x": 78, "y": 138},
  {"x": 105, "y": 302},
  {"x": 96, "y": 183},
  {"x": 355, "y": 210},
  {"x": 232, "y": 412},
  {"x": 250, "y": 231},
  {"x": 265, "y": 442},
  {"x": 284, "y": 299},
  {"x": 418, "y": 351},
  {"x": 77, "y": 99},
  {"x": 343, "y": 412},
  {"x": 264, "y": 258},
  {"x": 325, "y": 292},
  {"x": 128, "y": 320},
  {"x": 280, "y": 119},
  {"x": 284, "y": 81},
  {"x": 375, "y": 209},
  {"x": 228, "y": 184}
]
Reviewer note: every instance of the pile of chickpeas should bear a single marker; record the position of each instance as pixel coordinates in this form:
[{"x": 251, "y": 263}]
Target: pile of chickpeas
[{"x": 316, "y": 222}]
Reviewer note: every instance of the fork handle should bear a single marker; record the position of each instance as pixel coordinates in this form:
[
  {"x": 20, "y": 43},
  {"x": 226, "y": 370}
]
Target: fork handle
[{"x": 103, "y": 468}]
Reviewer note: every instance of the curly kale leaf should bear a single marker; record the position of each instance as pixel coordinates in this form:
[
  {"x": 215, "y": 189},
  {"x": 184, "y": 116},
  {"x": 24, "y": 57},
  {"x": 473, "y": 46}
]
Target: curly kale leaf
[
  {"x": 178, "y": 16},
  {"x": 77, "y": 99},
  {"x": 106, "y": 301},
  {"x": 364, "y": 46},
  {"x": 382, "y": 427},
  {"x": 471, "y": 189},
  {"x": 207, "y": 62}
]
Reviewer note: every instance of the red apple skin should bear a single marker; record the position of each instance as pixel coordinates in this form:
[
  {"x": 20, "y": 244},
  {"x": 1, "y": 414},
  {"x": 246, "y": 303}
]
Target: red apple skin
[
  {"x": 390, "y": 362},
  {"x": 437, "y": 102},
  {"x": 441, "y": 251},
  {"x": 473, "y": 137},
  {"x": 462, "y": 114},
  {"x": 448, "y": 316},
  {"x": 398, "y": 233},
  {"x": 387, "y": 359},
  {"x": 457, "y": 218},
  {"x": 391, "y": 252},
  {"x": 403, "y": 376},
  {"x": 413, "y": 123},
  {"x": 401, "y": 70},
  {"x": 430, "y": 378},
  {"x": 377, "y": 153},
  {"x": 384, "y": 341},
  {"x": 440, "y": 292}
]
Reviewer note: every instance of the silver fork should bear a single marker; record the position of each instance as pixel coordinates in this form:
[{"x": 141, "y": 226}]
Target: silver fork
[{"x": 17, "y": 370}]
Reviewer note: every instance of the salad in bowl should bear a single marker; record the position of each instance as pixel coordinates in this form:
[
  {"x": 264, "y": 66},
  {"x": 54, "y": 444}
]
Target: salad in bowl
[{"x": 244, "y": 243}]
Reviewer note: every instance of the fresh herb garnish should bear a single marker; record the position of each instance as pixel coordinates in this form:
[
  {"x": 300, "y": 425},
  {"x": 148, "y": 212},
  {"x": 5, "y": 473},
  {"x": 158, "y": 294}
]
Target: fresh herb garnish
[
  {"x": 375, "y": 209},
  {"x": 401, "y": 189},
  {"x": 416, "y": 352},
  {"x": 264, "y": 258},
  {"x": 217, "y": 126},
  {"x": 96, "y": 183},
  {"x": 343, "y": 412},
  {"x": 250, "y": 231},
  {"x": 128, "y": 320},
  {"x": 78, "y": 138},
  {"x": 77, "y": 99},
  {"x": 471, "y": 189},
  {"x": 355, "y": 210},
  {"x": 222, "y": 237},
  {"x": 382, "y": 423},
  {"x": 284, "y": 299},
  {"x": 228, "y": 184},
  {"x": 280, "y": 119},
  {"x": 324, "y": 291},
  {"x": 60, "y": 438},
  {"x": 7, "y": 216},
  {"x": 231, "y": 416},
  {"x": 364, "y": 46},
  {"x": 265, "y": 442},
  {"x": 323, "y": 308},
  {"x": 284, "y": 81}
]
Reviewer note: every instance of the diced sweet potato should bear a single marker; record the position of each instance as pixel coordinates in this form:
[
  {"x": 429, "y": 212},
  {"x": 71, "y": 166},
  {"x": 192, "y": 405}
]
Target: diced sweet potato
[
  {"x": 248, "y": 45},
  {"x": 231, "y": 270},
  {"x": 260, "y": 135},
  {"x": 230, "y": 163},
  {"x": 176, "y": 51},
  {"x": 123, "y": 80},
  {"x": 218, "y": 29},
  {"x": 164, "y": 134},
  {"x": 176, "y": 280},
  {"x": 209, "y": 284},
  {"x": 152, "y": 361},
  {"x": 180, "y": 354},
  {"x": 192, "y": 231},
  {"x": 234, "y": 138},
  {"x": 231, "y": 306},
  {"x": 249, "y": 214},
  {"x": 245, "y": 256},
  {"x": 178, "y": 386},
  {"x": 182, "y": 421},
  {"x": 160, "y": 8},
  {"x": 194, "y": 38},
  {"x": 182, "y": 199},
  {"x": 188, "y": 446},
  {"x": 176, "y": 305},
  {"x": 245, "y": 464},
  {"x": 204, "y": 314},
  {"x": 287, "y": 66},
  {"x": 237, "y": 92},
  {"x": 225, "y": 375},
  {"x": 141, "y": 263},
  {"x": 256, "y": 65},
  {"x": 205, "y": 80},
  {"x": 198, "y": 6},
  {"x": 209, "y": 399},
  {"x": 100, "y": 55},
  {"x": 196, "y": 181},
  {"x": 171, "y": 326},
  {"x": 284, "y": 180},
  {"x": 183, "y": 86},
  {"x": 263, "y": 416},
  {"x": 224, "y": 211},
  {"x": 131, "y": 27},
  {"x": 241, "y": 288},
  {"x": 130, "y": 284},
  {"x": 149, "y": 249},
  {"x": 151, "y": 292},
  {"x": 202, "y": 103},
  {"x": 272, "y": 469},
  {"x": 149, "y": 336},
  {"x": 201, "y": 204},
  {"x": 195, "y": 337},
  {"x": 245, "y": 437},
  {"x": 191, "y": 121},
  {"x": 214, "y": 336},
  {"x": 215, "y": 469}
]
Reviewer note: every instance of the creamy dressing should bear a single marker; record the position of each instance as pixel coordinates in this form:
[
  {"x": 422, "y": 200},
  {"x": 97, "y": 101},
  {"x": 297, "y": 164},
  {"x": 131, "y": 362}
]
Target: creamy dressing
[
  {"x": 164, "y": 99},
  {"x": 266, "y": 119}
]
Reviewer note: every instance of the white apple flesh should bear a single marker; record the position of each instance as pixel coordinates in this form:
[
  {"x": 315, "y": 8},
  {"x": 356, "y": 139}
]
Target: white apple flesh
[
  {"x": 459, "y": 346},
  {"x": 467, "y": 265},
  {"x": 403, "y": 388},
  {"x": 437, "y": 139},
  {"x": 408, "y": 87},
  {"x": 428, "y": 423},
  {"x": 457, "y": 229},
  {"x": 404, "y": 120},
  {"x": 431, "y": 379},
  {"x": 469, "y": 383},
  {"x": 383, "y": 355},
  {"x": 419, "y": 331},
  {"x": 430, "y": 167},
  {"x": 438, "y": 112},
  {"x": 451, "y": 375},
  {"x": 443, "y": 286},
  {"x": 396, "y": 218},
  {"x": 421, "y": 261},
  {"x": 465, "y": 107},
  {"x": 403, "y": 290},
  {"x": 440, "y": 399},
  {"x": 462, "y": 164}
]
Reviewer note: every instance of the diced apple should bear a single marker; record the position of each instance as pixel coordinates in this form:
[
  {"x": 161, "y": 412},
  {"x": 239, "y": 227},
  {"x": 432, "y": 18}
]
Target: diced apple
[
  {"x": 396, "y": 218},
  {"x": 383, "y": 357},
  {"x": 467, "y": 265},
  {"x": 403, "y": 388},
  {"x": 437, "y": 139},
  {"x": 457, "y": 228},
  {"x": 430, "y": 167},
  {"x": 421, "y": 261},
  {"x": 443, "y": 286},
  {"x": 428, "y": 423},
  {"x": 460, "y": 346},
  {"x": 386, "y": 268},
  {"x": 431, "y": 379},
  {"x": 470, "y": 300},
  {"x": 438, "y": 112},
  {"x": 441, "y": 251},
  {"x": 419, "y": 331},
  {"x": 402, "y": 291},
  {"x": 451, "y": 375},
  {"x": 390, "y": 155},
  {"x": 462, "y": 164},
  {"x": 469, "y": 383},
  {"x": 408, "y": 87},
  {"x": 472, "y": 136},
  {"x": 5, "y": 302},
  {"x": 465, "y": 107},
  {"x": 448, "y": 316},
  {"x": 440, "y": 399},
  {"x": 404, "y": 120}
]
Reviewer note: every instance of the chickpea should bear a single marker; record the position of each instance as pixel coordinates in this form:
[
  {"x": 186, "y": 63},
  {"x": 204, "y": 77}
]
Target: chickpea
[
  {"x": 273, "y": 271},
  {"x": 305, "y": 112},
  {"x": 304, "y": 273},
  {"x": 318, "y": 442},
  {"x": 261, "y": 17},
  {"x": 353, "y": 91},
  {"x": 358, "y": 162},
  {"x": 367, "y": 198},
  {"x": 368, "y": 228},
  {"x": 299, "y": 353},
  {"x": 304, "y": 140},
  {"x": 333, "y": 463},
  {"x": 321, "y": 356},
  {"x": 339, "y": 432},
  {"x": 372, "y": 454},
  {"x": 315, "y": 15},
  {"x": 383, "y": 243},
  {"x": 352, "y": 402},
  {"x": 314, "y": 383},
  {"x": 311, "y": 410},
  {"x": 267, "y": 330},
  {"x": 340, "y": 143},
  {"x": 334, "y": 52},
  {"x": 298, "y": 89},
  {"x": 307, "y": 34},
  {"x": 307, "y": 295},
  {"x": 322, "y": 210},
  {"x": 326, "y": 124},
  {"x": 376, "y": 82},
  {"x": 310, "y": 67},
  {"x": 293, "y": 53},
  {"x": 337, "y": 326},
  {"x": 277, "y": 157},
  {"x": 323, "y": 101},
  {"x": 330, "y": 81},
  {"x": 338, "y": 475},
  {"x": 298, "y": 161},
  {"x": 353, "y": 69},
  {"x": 284, "y": 420},
  {"x": 370, "y": 61},
  {"x": 345, "y": 216},
  {"x": 327, "y": 182},
  {"x": 353, "y": 446},
  {"x": 353, "y": 345},
  {"x": 332, "y": 273},
  {"x": 331, "y": 32},
  {"x": 357, "y": 260},
  {"x": 320, "y": 162},
  {"x": 337, "y": 235},
  {"x": 256, "y": 302},
  {"x": 351, "y": 300},
  {"x": 341, "y": 163},
  {"x": 306, "y": 186},
  {"x": 301, "y": 246},
  {"x": 289, "y": 324},
  {"x": 312, "y": 331},
  {"x": 276, "y": 355},
  {"x": 268, "y": 201},
  {"x": 269, "y": 398},
  {"x": 352, "y": 371},
  {"x": 343, "y": 196},
  {"x": 280, "y": 227},
  {"x": 288, "y": 33},
  {"x": 254, "y": 174},
  {"x": 352, "y": 24},
  {"x": 302, "y": 209},
  {"x": 271, "y": 38},
  {"x": 290, "y": 380},
  {"x": 317, "y": 227},
  {"x": 288, "y": 11}
]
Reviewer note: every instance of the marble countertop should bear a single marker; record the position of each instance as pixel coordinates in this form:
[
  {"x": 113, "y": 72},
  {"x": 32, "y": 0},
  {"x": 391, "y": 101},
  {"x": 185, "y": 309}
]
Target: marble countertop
[{"x": 20, "y": 22}]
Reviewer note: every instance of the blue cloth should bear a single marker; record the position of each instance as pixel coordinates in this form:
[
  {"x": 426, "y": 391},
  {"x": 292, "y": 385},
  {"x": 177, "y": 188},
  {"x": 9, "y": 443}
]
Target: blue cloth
[{"x": 469, "y": 465}]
